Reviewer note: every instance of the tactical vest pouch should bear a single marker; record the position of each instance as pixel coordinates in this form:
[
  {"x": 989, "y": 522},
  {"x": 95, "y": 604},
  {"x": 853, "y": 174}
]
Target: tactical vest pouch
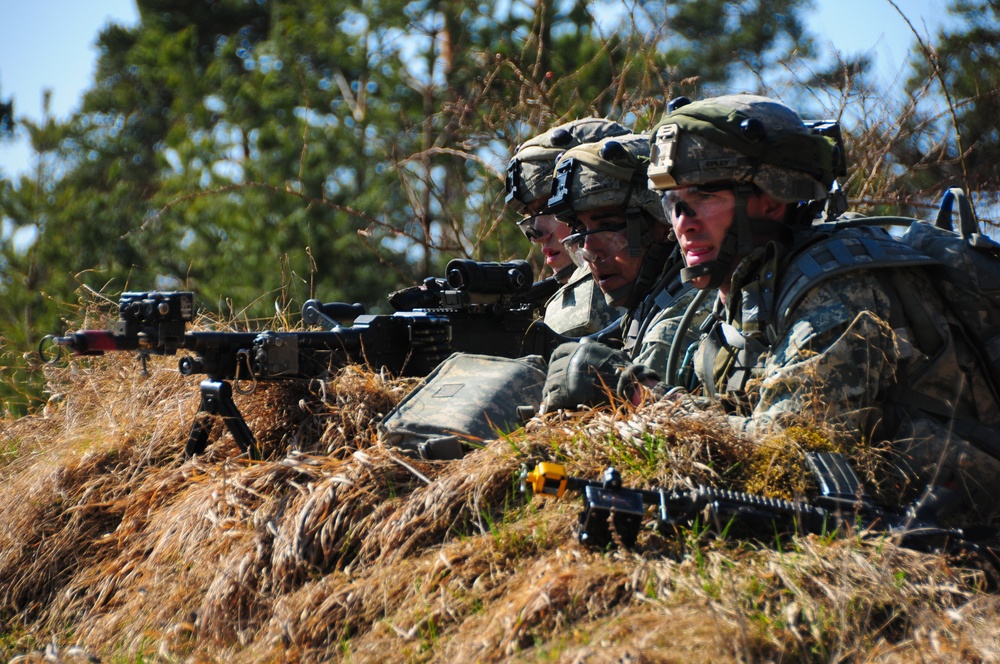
[{"x": 466, "y": 400}]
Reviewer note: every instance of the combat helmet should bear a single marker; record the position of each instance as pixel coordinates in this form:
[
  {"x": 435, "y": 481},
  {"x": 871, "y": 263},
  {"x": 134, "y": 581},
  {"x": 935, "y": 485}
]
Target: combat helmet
[
  {"x": 613, "y": 173},
  {"x": 749, "y": 141},
  {"x": 529, "y": 172}
]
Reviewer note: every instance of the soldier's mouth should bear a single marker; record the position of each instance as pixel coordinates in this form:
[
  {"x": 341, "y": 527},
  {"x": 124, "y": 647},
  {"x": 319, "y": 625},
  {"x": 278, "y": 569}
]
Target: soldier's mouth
[
  {"x": 694, "y": 254},
  {"x": 607, "y": 280}
]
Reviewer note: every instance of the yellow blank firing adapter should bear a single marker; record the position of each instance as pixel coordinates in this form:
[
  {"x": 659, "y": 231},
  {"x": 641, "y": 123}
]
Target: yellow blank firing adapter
[{"x": 548, "y": 479}]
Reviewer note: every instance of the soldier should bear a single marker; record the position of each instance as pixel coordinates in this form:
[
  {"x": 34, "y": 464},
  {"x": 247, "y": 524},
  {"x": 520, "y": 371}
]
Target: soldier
[
  {"x": 741, "y": 178},
  {"x": 578, "y": 308},
  {"x": 436, "y": 421},
  {"x": 619, "y": 230}
]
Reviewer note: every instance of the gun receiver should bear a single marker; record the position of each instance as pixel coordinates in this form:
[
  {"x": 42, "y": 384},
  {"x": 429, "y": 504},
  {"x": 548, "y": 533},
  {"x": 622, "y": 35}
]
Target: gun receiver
[{"x": 490, "y": 308}]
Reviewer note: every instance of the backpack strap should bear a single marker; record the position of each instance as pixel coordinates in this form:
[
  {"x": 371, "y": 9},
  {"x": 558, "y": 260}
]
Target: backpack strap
[
  {"x": 968, "y": 225},
  {"x": 846, "y": 250},
  {"x": 906, "y": 301},
  {"x": 981, "y": 436}
]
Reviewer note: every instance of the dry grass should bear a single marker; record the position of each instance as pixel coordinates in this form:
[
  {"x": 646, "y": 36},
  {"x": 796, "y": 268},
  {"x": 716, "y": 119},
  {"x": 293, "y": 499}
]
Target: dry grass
[
  {"x": 117, "y": 546},
  {"x": 114, "y": 545}
]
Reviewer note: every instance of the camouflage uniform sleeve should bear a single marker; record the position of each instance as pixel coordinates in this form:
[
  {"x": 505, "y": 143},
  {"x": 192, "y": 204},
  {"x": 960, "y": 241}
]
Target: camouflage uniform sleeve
[
  {"x": 833, "y": 362},
  {"x": 654, "y": 350}
]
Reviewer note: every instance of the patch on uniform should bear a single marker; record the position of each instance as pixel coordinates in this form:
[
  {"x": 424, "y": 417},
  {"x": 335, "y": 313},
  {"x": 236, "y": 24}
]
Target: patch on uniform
[
  {"x": 727, "y": 162},
  {"x": 450, "y": 390},
  {"x": 591, "y": 185}
]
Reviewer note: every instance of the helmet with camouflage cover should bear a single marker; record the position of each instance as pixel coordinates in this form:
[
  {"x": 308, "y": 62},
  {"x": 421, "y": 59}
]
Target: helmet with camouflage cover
[
  {"x": 751, "y": 142},
  {"x": 608, "y": 173},
  {"x": 741, "y": 138},
  {"x": 611, "y": 173},
  {"x": 529, "y": 172}
]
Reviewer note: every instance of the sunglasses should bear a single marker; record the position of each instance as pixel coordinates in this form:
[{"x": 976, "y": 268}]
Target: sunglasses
[
  {"x": 537, "y": 226},
  {"x": 612, "y": 243}
]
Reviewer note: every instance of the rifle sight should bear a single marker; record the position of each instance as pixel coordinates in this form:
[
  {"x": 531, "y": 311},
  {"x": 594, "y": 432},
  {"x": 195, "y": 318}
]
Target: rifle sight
[
  {"x": 155, "y": 317},
  {"x": 513, "y": 278}
]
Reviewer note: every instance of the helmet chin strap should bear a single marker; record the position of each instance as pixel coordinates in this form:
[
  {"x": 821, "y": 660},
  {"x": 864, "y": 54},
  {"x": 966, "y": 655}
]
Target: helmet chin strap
[
  {"x": 639, "y": 231},
  {"x": 629, "y": 295},
  {"x": 563, "y": 275},
  {"x": 620, "y": 296}
]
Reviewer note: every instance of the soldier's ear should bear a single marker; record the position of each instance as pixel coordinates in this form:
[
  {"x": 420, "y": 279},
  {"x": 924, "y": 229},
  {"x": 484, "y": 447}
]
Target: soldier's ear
[
  {"x": 762, "y": 206},
  {"x": 663, "y": 233}
]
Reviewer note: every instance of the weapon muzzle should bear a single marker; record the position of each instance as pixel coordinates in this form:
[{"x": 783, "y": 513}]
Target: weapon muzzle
[{"x": 87, "y": 342}]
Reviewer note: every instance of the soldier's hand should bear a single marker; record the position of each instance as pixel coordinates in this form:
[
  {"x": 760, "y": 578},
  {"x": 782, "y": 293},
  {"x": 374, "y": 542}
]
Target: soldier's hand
[
  {"x": 582, "y": 374},
  {"x": 638, "y": 379}
]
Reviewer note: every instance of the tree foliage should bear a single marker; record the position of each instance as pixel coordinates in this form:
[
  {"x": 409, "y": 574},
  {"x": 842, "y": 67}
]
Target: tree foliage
[
  {"x": 963, "y": 66},
  {"x": 261, "y": 153}
]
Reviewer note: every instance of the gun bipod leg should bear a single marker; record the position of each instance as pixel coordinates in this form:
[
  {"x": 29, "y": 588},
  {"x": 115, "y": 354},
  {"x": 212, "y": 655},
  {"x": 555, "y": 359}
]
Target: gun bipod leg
[{"x": 217, "y": 399}]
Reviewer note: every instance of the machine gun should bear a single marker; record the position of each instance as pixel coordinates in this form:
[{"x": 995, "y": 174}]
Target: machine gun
[
  {"x": 492, "y": 308},
  {"x": 842, "y": 503},
  {"x": 407, "y": 343}
]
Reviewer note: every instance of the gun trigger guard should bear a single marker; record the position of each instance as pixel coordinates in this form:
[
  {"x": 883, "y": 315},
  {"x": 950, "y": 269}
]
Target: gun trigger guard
[{"x": 243, "y": 359}]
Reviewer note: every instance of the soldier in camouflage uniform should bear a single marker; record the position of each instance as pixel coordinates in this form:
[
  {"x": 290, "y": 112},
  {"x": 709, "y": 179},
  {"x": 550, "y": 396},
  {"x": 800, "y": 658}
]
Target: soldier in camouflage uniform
[
  {"x": 735, "y": 172},
  {"x": 578, "y": 308},
  {"x": 620, "y": 231},
  {"x": 469, "y": 396}
]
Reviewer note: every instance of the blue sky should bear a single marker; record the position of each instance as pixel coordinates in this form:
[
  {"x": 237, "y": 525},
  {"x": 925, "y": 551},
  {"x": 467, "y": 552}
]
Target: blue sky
[{"x": 50, "y": 44}]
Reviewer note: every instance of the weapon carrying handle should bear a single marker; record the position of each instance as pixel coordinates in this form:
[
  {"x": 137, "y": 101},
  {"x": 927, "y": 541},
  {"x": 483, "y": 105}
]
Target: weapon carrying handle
[{"x": 329, "y": 315}]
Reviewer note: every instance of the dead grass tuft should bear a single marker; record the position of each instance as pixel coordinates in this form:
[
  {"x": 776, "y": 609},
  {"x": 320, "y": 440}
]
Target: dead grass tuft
[{"x": 336, "y": 549}]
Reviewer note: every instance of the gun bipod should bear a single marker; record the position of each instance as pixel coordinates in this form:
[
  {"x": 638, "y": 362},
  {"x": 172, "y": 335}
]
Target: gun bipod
[{"x": 217, "y": 399}]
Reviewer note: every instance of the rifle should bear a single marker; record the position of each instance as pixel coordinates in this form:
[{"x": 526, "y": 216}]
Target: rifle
[
  {"x": 408, "y": 343},
  {"x": 842, "y": 503}
]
